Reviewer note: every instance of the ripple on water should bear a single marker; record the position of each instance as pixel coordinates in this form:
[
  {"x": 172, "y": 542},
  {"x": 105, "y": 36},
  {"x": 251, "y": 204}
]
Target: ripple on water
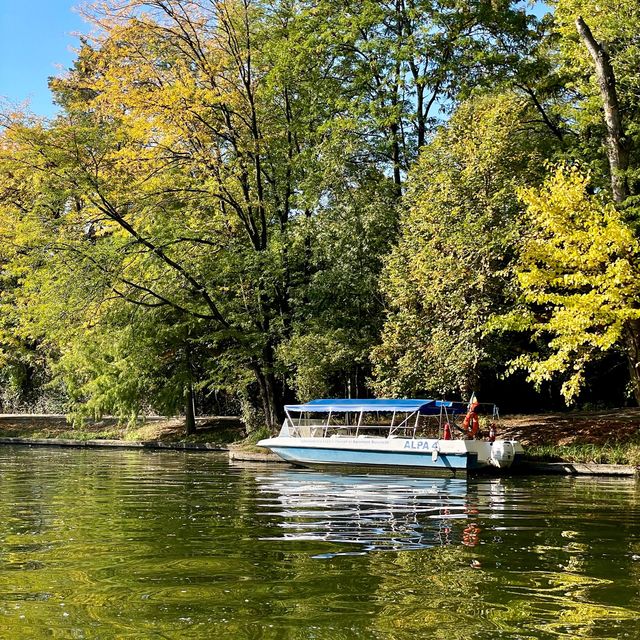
[
  {"x": 113, "y": 544},
  {"x": 373, "y": 512}
]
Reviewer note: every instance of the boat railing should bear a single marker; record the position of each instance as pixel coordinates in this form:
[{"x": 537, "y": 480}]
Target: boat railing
[
  {"x": 307, "y": 428},
  {"x": 431, "y": 420},
  {"x": 310, "y": 428}
]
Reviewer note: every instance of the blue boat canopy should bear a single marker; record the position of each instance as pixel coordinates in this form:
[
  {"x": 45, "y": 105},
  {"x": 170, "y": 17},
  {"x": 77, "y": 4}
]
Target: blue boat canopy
[{"x": 411, "y": 405}]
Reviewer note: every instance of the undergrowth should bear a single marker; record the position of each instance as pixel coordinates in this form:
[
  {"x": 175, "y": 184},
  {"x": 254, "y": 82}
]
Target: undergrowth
[{"x": 607, "y": 453}]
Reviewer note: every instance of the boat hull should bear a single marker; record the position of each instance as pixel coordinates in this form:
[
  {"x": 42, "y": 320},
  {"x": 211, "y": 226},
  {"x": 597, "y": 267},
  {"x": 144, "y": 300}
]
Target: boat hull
[
  {"x": 316, "y": 458},
  {"x": 428, "y": 457}
]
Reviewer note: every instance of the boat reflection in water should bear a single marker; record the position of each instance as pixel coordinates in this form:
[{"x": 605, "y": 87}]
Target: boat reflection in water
[{"x": 373, "y": 512}]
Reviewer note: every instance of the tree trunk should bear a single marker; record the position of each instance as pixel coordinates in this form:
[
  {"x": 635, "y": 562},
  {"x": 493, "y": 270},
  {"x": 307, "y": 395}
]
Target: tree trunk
[
  {"x": 270, "y": 398},
  {"x": 395, "y": 157},
  {"x": 190, "y": 412},
  {"x": 420, "y": 115},
  {"x": 632, "y": 350},
  {"x": 617, "y": 142}
]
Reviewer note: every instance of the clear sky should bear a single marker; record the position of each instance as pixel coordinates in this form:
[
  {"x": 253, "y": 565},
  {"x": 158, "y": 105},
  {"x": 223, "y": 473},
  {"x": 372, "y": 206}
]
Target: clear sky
[{"x": 36, "y": 42}]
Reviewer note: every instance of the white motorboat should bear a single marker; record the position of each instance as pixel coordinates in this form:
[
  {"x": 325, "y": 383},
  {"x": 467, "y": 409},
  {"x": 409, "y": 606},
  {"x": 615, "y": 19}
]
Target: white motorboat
[{"x": 407, "y": 435}]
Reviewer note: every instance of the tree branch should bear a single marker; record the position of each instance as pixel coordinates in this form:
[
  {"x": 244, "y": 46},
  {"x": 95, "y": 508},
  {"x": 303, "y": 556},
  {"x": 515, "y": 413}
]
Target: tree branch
[
  {"x": 617, "y": 143},
  {"x": 541, "y": 110}
]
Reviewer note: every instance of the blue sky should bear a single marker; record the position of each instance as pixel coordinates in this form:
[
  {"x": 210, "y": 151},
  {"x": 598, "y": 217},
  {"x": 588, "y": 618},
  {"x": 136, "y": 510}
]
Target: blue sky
[{"x": 35, "y": 43}]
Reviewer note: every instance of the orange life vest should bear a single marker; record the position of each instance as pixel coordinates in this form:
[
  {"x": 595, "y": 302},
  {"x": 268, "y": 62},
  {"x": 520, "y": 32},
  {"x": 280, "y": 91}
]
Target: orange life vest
[{"x": 471, "y": 423}]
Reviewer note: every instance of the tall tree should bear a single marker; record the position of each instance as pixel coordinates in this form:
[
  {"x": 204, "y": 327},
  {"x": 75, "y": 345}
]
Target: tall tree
[
  {"x": 453, "y": 267},
  {"x": 404, "y": 62},
  {"x": 581, "y": 258},
  {"x": 598, "y": 47},
  {"x": 173, "y": 170}
]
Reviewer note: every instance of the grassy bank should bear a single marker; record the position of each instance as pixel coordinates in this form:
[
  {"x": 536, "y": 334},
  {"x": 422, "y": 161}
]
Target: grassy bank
[
  {"x": 219, "y": 431},
  {"x": 249, "y": 442},
  {"x": 599, "y": 437},
  {"x": 607, "y": 453}
]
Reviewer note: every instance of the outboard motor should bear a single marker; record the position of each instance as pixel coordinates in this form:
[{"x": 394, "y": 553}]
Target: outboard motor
[{"x": 502, "y": 454}]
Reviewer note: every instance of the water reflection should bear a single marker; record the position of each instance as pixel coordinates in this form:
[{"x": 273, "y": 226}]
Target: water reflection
[{"x": 373, "y": 513}]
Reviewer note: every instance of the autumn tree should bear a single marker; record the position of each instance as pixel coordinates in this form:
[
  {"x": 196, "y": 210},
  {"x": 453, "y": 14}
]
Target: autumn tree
[
  {"x": 580, "y": 261},
  {"x": 579, "y": 271},
  {"x": 169, "y": 181}
]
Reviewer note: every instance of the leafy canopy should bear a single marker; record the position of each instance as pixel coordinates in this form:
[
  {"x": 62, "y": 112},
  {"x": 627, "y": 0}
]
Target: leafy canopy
[{"x": 451, "y": 269}]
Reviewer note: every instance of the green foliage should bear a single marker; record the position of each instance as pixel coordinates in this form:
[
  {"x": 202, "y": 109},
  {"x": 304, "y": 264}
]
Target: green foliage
[
  {"x": 340, "y": 311},
  {"x": 127, "y": 365},
  {"x": 256, "y": 436},
  {"x": 452, "y": 268},
  {"x": 318, "y": 359}
]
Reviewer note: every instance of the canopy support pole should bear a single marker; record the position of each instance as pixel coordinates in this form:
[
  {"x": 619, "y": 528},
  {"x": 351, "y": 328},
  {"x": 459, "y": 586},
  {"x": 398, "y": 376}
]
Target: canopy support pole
[
  {"x": 326, "y": 429},
  {"x": 359, "y": 423}
]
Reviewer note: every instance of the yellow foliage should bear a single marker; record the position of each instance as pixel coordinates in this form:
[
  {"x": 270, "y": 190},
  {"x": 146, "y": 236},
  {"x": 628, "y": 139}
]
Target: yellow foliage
[{"x": 579, "y": 270}]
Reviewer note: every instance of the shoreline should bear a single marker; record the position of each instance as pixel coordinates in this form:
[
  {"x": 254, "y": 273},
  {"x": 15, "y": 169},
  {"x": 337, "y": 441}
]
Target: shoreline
[
  {"x": 235, "y": 454},
  {"x": 605, "y": 443},
  {"x": 114, "y": 444}
]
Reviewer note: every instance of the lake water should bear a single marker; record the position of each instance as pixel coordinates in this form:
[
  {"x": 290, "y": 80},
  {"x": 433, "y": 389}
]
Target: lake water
[{"x": 141, "y": 544}]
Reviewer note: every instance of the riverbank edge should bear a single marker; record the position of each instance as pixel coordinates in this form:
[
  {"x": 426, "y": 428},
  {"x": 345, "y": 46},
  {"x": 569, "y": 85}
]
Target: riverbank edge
[
  {"x": 239, "y": 455},
  {"x": 531, "y": 467},
  {"x": 115, "y": 444}
]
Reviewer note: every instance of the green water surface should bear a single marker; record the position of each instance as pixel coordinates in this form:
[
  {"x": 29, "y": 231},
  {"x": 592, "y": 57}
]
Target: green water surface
[{"x": 141, "y": 544}]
